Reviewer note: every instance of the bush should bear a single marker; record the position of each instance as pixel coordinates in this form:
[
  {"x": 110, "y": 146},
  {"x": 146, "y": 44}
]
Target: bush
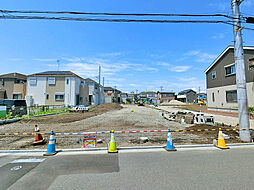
[{"x": 251, "y": 110}]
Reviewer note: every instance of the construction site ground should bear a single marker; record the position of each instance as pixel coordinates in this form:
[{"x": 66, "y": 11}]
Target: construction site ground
[{"x": 108, "y": 117}]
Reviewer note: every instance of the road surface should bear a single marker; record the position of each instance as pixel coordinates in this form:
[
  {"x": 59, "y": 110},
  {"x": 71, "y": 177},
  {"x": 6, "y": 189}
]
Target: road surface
[{"x": 196, "y": 169}]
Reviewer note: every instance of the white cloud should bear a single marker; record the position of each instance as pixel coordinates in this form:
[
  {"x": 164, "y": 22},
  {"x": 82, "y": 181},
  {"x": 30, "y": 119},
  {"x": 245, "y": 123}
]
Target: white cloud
[
  {"x": 187, "y": 79},
  {"x": 152, "y": 69},
  {"x": 192, "y": 53},
  {"x": 113, "y": 54},
  {"x": 162, "y": 64},
  {"x": 201, "y": 57},
  {"x": 180, "y": 68}
]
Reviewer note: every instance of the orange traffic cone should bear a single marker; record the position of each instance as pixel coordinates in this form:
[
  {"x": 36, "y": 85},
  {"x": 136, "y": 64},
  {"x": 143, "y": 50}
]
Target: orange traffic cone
[
  {"x": 221, "y": 141},
  {"x": 38, "y": 137}
]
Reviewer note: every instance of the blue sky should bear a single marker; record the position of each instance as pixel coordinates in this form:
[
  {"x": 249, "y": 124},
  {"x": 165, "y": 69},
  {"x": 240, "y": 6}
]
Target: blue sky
[{"x": 133, "y": 56}]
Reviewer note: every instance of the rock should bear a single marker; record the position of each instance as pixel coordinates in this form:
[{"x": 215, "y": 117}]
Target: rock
[{"x": 143, "y": 139}]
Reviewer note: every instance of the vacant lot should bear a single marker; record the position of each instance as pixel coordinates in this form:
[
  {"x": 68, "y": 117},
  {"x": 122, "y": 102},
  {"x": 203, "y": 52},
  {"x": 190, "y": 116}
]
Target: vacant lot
[{"x": 104, "y": 118}]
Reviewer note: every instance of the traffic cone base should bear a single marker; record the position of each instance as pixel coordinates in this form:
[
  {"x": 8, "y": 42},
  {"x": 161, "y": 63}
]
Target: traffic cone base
[
  {"x": 221, "y": 141},
  {"x": 39, "y": 142},
  {"x": 169, "y": 149}
]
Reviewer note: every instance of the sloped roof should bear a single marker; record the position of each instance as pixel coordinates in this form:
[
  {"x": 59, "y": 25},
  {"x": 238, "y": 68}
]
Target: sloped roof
[
  {"x": 14, "y": 75},
  {"x": 56, "y": 73},
  {"x": 186, "y": 91},
  {"x": 223, "y": 53}
]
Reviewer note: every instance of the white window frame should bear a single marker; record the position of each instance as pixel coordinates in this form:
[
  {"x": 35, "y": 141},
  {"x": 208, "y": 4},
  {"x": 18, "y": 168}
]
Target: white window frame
[
  {"x": 59, "y": 94},
  {"x": 250, "y": 61},
  {"x": 33, "y": 81},
  {"x": 214, "y": 76},
  {"x": 51, "y": 80},
  {"x": 233, "y": 64}
]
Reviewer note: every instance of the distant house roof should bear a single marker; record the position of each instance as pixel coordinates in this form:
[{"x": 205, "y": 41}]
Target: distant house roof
[
  {"x": 111, "y": 89},
  {"x": 14, "y": 75},
  {"x": 88, "y": 80},
  {"x": 223, "y": 53},
  {"x": 186, "y": 91},
  {"x": 166, "y": 92},
  {"x": 56, "y": 73}
]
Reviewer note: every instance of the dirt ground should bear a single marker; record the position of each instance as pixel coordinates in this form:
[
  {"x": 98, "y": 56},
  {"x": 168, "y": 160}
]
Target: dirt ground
[
  {"x": 203, "y": 108},
  {"x": 105, "y": 118}
]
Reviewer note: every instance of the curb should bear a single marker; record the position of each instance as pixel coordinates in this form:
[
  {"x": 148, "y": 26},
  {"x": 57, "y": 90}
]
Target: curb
[{"x": 128, "y": 149}]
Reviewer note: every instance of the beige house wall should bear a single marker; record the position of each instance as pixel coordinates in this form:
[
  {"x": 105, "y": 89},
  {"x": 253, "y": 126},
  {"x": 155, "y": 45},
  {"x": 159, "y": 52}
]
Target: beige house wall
[
  {"x": 8, "y": 86},
  {"x": 51, "y": 90},
  {"x": 20, "y": 89},
  {"x": 84, "y": 95},
  {"x": 220, "y": 96}
]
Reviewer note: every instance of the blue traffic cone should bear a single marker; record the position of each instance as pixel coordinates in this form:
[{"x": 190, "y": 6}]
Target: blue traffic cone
[
  {"x": 170, "y": 146},
  {"x": 51, "y": 146}
]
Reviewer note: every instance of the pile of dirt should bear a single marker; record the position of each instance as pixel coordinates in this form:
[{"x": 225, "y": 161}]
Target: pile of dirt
[
  {"x": 72, "y": 117},
  {"x": 173, "y": 102},
  {"x": 208, "y": 136}
]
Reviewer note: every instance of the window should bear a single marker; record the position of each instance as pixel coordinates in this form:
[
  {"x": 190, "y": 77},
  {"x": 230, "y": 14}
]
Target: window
[
  {"x": 251, "y": 64},
  {"x": 33, "y": 81},
  {"x": 213, "y": 97},
  {"x": 2, "y": 82},
  {"x": 67, "y": 81},
  {"x": 47, "y": 97},
  {"x": 230, "y": 70},
  {"x": 214, "y": 75},
  {"x": 17, "y": 96},
  {"x": 17, "y": 81},
  {"x": 51, "y": 80},
  {"x": 59, "y": 97},
  {"x": 231, "y": 96}
]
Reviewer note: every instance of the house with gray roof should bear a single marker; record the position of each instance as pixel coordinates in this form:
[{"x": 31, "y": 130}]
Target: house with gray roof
[
  {"x": 56, "y": 88},
  {"x": 188, "y": 95},
  {"x": 221, "y": 80}
]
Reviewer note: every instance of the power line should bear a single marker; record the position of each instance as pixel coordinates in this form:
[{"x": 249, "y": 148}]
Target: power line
[
  {"x": 114, "y": 20},
  {"x": 116, "y": 14},
  {"x": 117, "y": 20}
]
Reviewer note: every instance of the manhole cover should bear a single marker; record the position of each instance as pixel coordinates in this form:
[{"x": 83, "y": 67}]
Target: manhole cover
[{"x": 15, "y": 168}]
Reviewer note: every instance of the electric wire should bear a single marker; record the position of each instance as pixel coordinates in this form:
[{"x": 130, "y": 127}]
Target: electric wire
[{"x": 116, "y": 14}]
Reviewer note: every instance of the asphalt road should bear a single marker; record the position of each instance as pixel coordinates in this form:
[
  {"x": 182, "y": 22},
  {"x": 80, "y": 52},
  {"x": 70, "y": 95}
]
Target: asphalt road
[{"x": 206, "y": 169}]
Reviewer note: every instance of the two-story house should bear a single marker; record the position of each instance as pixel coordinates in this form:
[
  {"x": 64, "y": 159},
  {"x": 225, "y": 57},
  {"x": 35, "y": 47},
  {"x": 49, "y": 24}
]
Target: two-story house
[
  {"x": 13, "y": 86},
  {"x": 96, "y": 92},
  {"x": 188, "y": 95},
  {"x": 221, "y": 80},
  {"x": 56, "y": 88},
  {"x": 111, "y": 95},
  {"x": 165, "y": 96}
]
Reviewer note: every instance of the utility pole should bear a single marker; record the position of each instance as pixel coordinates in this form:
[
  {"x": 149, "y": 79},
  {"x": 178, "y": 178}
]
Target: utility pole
[
  {"x": 115, "y": 92},
  {"x": 99, "y": 95},
  {"x": 58, "y": 64},
  {"x": 240, "y": 73}
]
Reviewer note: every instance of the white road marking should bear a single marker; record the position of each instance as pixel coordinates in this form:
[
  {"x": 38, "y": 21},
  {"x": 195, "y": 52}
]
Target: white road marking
[
  {"x": 15, "y": 168},
  {"x": 29, "y": 160}
]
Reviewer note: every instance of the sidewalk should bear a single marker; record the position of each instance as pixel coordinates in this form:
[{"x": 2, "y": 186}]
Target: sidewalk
[{"x": 228, "y": 120}]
